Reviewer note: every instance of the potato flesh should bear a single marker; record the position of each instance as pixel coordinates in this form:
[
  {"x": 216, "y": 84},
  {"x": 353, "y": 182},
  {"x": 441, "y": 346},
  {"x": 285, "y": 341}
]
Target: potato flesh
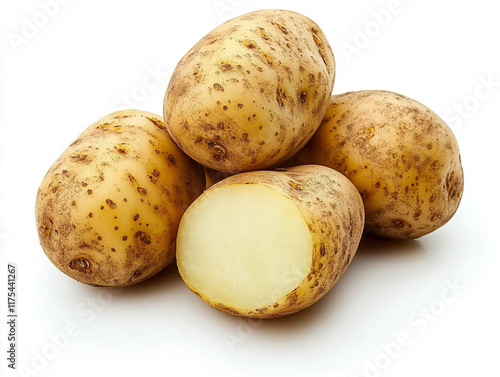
[{"x": 243, "y": 246}]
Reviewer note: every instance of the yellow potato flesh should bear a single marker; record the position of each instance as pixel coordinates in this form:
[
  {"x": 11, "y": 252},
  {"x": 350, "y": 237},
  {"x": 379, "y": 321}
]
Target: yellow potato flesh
[{"x": 243, "y": 246}]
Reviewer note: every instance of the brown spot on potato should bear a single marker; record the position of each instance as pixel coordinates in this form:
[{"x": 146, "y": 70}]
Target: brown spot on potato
[
  {"x": 303, "y": 97},
  {"x": 452, "y": 184},
  {"x": 263, "y": 33},
  {"x": 435, "y": 216},
  {"x": 122, "y": 148},
  {"x": 80, "y": 264},
  {"x": 248, "y": 43},
  {"x": 226, "y": 309},
  {"x": 218, "y": 87},
  {"x": 219, "y": 149},
  {"x": 142, "y": 190},
  {"x": 321, "y": 47},
  {"x": 111, "y": 204},
  {"x": 280, "y": 97},
  {"x": 322, "y": 252},
  {"x": 197, "y": 77},
  {"x": 132, "y": 179},
  {"x": 143, "y": 237},
  {"x": 137, "y": 273},
  {"x": 157, "y": 122},
  {"x": 282, "y": 28},
  {"x": 296, "y": 186},
  {"x": 172, "y": 161},
  {"x": 399, "y": 224},
  {"x": 124, "y": 238},
  {"x": 82, "y": 156},
  {"x": 226, "y": 67},
  {"x": 46, "y": 228}
]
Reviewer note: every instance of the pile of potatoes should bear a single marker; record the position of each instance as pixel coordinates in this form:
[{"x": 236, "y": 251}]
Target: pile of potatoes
[{"x": 256, "y": 179}]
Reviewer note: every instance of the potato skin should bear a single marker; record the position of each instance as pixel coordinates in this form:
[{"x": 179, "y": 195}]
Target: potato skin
[
  {"x": 402, "y": 157},
  {"x": 251, "y": 93},
  {"x": 333, "y": 210},
  {"x": 108, "y": 209}
]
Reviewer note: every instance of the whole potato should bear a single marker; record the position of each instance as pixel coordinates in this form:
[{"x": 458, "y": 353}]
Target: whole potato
[
  {"x": 401, "y": 156},
  {"x": 251, "y": 93},
  {"x": 108, "y": 209},
  {"x": 265, "y": 244}
]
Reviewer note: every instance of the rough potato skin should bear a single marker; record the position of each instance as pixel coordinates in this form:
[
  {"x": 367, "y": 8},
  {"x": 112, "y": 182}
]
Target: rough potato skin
[
  {"x": 402, "y": 157},
  {"x": 108, "y": 209},
  {"x": 252, "y": 92},
  {"x": 334, "y": 213}
]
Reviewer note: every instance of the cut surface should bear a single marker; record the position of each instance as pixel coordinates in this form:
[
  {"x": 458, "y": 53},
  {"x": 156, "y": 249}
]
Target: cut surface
[{"x": 244, "y": 246}]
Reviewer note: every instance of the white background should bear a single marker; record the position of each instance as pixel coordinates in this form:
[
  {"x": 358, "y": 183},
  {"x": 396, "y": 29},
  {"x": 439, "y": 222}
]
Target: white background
[{"x": 66, "y": 66}]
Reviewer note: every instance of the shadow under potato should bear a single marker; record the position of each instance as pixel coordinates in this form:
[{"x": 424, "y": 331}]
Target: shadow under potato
[
  {"x": 166, "y": 279},
  {"x": 370, "y": 248},
  {"x": 385, "y": 247}
]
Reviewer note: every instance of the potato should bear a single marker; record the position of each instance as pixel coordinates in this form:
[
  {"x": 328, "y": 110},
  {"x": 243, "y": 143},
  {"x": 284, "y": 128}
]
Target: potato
[
  {"x": 109, "y": 208},
  {"x": 265, "y": 244},
  {"x": 401, "y": 156},
  {"x": 252, "y": 92}
]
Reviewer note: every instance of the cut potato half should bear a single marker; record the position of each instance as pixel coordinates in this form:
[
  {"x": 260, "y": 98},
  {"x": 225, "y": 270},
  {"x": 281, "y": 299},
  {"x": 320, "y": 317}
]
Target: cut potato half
[
  {"x": 245, "y": 245},
  {"x": 250, "y": 244}
]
